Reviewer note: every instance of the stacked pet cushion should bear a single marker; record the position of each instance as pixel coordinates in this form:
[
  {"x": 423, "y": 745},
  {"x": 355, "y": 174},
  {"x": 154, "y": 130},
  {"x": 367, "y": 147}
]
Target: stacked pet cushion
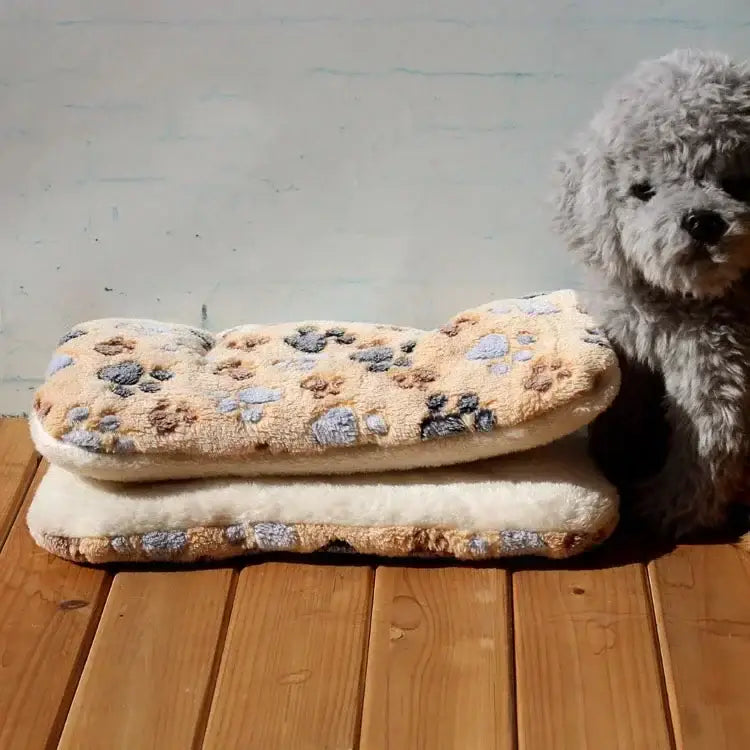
[
  {"x": 550, "y": 501},
  {"x": 132, "y": 401}
]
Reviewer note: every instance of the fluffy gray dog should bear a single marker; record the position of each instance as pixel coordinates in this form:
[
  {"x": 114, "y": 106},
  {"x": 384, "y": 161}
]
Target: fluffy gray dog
[{"x": 655, "y": 200}]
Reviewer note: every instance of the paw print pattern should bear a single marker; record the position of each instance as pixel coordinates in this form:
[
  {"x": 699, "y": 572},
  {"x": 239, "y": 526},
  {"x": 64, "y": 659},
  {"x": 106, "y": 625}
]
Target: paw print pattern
[
  {"x": 259, "y": 395},
  {"x": 96, "y": 436},
  {"x": 436, "y": 402},
  {"x": 543, "y": 376},
  {"x": 70, "y": 335},
  {"x": 485, "y": 420},
  {"x": 428, "y": 542},
  {"x": 275, "y": 536},
  {"x": 495, "y": 347},
  {"x": 533, "y": 304},
  {"x": 163, "y": 545},
  {"x": 227, "y": 405},
  {"x": 520, "y": 542},
  {"x": 525, "y": 339},
  {"x": 491, "y": 346},
  {"x": 176, "y": 337},
  {"x": 235, "y": 534},
  {"x": 234, "y": 369},
  {"x": 328, "y": 377},
  {"x": 467, "y": 403},
  {"x": 205, "y": 338},
  {"x": 442, "y": 425},
  {"x": 114, "y": 345},
  {"x": 311, "y": 340},
  {"x": 124, "y": 375},
  {"x": 538, "y": 304},
  {"x": 248, "y": 342},
  {"x": 86, "y": 439},
  {"x": 598, "y": 337},
  {"x": 166, "y": 417},
  {"x": 439, "y": 423},
  {"x": 341, "y": 336},
  {"x": 251, "y": 414},
  {"x": 321, "y": 387},
  {"x": 161, "y": 375},
  {"x": 109, "y": 423},
  {"x": 337, "y": 427},
  {"x": 459, "y": 324},
  {"x": 57, "y": 363},
  {"x": 380, "y": 358},
  {"x": 377, "y": 358},
  {"x": 248, "y": 403},
  {"x": 77, "y": 414},
  {"x": 479, "y": 547},
  {"x": 376, "y": 424},
  {"x": 122, "y": 545},
  {"x": 415, "y": 377}
]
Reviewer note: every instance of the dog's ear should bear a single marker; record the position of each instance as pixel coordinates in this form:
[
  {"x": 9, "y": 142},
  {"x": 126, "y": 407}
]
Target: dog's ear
[
  {"x": 584, "y": 208},
  {"x": 570, "y": 167}
]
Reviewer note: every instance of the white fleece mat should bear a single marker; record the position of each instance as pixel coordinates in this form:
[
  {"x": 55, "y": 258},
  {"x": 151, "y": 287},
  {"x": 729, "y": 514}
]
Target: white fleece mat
[{"x": 550, "y": 501}]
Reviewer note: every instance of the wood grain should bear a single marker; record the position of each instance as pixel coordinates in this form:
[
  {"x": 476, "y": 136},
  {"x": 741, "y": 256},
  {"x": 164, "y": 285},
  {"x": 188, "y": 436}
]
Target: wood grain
[
  {"x": 151, "y": 663},
  {"x": 438, "y": 669},
  {"x": 18, "y": 461},
  {"x": 292, "y": 667},
  {"x": 48, "y": 613},
  {"x": 587, "y": 668},
  {"x": 702, "y": 601}
]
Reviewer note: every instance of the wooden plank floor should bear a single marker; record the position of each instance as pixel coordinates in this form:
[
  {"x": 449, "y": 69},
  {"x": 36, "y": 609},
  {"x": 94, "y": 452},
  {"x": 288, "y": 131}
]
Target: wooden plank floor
[{"x": 616, "y": 649}]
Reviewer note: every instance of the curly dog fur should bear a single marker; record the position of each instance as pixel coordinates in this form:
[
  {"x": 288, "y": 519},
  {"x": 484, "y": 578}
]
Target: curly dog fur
[{"x": 655, "y": 200}]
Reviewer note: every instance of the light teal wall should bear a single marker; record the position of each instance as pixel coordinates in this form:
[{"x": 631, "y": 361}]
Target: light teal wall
[{"x": 266, "y": 161}]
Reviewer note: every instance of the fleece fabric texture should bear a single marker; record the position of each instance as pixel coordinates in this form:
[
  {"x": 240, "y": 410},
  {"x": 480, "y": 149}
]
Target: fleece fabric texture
[
  {"x": 134, "y": 400},
  {"x": 550, "y": 502}
]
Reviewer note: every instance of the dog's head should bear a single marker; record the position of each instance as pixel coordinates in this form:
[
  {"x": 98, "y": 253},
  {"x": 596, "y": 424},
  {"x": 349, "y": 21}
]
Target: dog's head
[{"x": 657, "y": 190}]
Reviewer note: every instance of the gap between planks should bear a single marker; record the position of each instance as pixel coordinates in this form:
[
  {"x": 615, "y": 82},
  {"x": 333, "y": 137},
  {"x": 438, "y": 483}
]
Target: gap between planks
[
  {"x": 200, "y": 732},
  {"x": 18, "y": 464},
  {"x": 150, "y": 669},
  {"x": 439, "y": 670},
  {"x": 49, "y": 609},
  {"x": 702, "y": 608},
  {"x": 291, "y": 670},
  {"x": 588, "y": 673}
]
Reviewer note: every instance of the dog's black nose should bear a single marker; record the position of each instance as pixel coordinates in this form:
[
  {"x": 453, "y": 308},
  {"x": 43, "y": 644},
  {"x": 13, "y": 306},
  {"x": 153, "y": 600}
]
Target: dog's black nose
[{"x": 704, "y": 226}]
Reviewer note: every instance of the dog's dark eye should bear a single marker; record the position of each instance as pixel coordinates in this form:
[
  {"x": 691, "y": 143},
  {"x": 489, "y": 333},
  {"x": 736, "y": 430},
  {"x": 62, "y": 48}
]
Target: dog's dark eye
[
  {"x": 738, "y": 188},
  {"x": 644, "y": 191}
]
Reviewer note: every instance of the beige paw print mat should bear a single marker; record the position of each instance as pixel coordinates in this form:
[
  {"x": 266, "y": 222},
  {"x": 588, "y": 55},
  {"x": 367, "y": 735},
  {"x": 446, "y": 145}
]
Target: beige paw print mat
[{"x": 300, "y": 437}]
